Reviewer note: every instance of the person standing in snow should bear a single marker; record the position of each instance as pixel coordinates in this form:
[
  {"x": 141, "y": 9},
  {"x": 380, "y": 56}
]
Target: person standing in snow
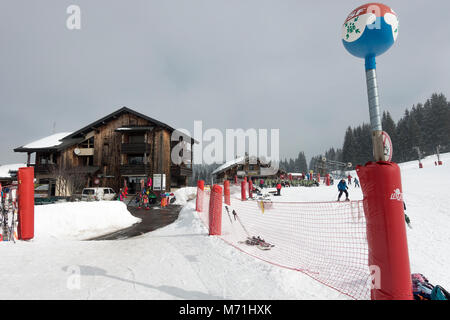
[
  {"x": 407, "y": 220},
  {"x": 261, "y": 183},
  {"x": 349, "y": 180},
  {"x": 356, "y": 182},
  {"x": 278, "y": 189},
  {"x": 342, "y": 187}
]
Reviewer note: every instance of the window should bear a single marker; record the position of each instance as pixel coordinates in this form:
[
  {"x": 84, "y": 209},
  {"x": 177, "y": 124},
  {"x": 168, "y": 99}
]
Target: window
[
  {"x": 89, "y": 191},
  {"x": 136, "y": 159},
  {"x": 89, "y": 143},
  {"x": 106, "y": 191},
  {"x": 137, "y": 138}
]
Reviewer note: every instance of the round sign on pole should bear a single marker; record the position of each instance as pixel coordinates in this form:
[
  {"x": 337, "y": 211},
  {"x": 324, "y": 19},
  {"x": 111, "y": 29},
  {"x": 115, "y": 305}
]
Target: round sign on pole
[
  {"x": 387, "y": 146},
  {"x": 96, "y": 181}
]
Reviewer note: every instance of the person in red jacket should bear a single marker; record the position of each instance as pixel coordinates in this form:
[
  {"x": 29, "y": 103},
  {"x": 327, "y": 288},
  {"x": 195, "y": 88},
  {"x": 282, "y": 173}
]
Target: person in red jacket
[
  {"x": 278, "y": 189},
  {"x": 349, "y": 180}
]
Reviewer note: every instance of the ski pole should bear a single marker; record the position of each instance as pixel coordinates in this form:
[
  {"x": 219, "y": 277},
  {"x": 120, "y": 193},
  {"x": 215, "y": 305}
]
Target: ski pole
[
  {"x": 240, "y": 222},
  {"x": 228, "y": 212}
]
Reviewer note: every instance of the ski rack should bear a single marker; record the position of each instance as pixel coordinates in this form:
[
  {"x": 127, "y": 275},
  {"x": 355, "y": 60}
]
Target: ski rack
[{"x": 9, "y": 210}]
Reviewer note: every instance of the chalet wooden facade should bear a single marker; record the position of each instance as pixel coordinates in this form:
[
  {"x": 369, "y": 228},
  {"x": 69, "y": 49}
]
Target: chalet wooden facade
[
  {"x": 124, "y": 146},
  {"x": 245, "y": 166}
]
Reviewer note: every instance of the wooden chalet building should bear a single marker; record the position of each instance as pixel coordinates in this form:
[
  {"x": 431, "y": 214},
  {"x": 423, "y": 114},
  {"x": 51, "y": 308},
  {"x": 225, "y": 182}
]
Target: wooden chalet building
[
  {"x": 122, "y": 146},
  {"x": 243, "y": 167}
]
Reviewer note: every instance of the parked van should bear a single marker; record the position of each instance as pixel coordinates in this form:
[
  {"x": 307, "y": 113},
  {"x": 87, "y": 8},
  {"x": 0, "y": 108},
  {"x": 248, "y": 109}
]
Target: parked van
[{"x": 95, "y": 194}]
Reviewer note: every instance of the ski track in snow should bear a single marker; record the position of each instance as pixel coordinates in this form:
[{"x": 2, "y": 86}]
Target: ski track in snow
[{"x": 181, "y": 261}]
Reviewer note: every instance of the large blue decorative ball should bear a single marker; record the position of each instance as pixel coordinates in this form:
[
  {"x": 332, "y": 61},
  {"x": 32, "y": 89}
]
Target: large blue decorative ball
[{"x": 370, "y": 30}]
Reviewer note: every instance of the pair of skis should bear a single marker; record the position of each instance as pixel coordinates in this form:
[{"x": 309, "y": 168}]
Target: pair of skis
[
  {"x": 257, "y": 242},
  {"x": 251, "y": 240},
  {"x": 8, "y": 208}
]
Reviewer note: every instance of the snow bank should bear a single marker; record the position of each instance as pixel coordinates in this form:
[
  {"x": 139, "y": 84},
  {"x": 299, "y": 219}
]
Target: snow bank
[
  {"x": 184, "y": 195},
  {"x": 81, "y": 220}
]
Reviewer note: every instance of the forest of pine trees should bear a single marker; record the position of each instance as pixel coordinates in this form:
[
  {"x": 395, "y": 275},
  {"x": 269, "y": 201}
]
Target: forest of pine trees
[{"x": 425, "y": 126}]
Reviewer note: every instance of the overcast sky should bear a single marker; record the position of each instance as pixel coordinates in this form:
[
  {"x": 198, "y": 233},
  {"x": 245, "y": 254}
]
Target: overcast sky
[{"x": 231, "y": 63}]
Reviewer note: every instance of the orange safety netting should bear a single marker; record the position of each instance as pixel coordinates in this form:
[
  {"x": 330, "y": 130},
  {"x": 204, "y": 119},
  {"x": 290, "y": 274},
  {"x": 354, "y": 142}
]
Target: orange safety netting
[{"x": 324, "y": 240}]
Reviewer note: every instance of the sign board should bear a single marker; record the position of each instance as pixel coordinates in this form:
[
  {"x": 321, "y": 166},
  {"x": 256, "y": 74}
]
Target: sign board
[
  {"x": 387, "y": 146},
  {"x": 240, "y": 173},
  {"x": 159, "y": 182},
  {"x": 96, "y": 181}
]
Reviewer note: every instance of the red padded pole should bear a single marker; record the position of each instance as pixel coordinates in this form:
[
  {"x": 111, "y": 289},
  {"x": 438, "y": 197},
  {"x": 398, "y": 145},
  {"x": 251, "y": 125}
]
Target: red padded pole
[
  {"x": 215, "y": 211},
  {"x": 386, "y": 233},
  {"x": 25, "y": 177},
  {"x": 243, "y": 195},
  {"x": 200, "y": 195},
  {"x": 226, "y": 192},
  {"x": 235, "y": 180},
  {"x": 250, "y": 188},
  {"x": 328, "y": 179}
]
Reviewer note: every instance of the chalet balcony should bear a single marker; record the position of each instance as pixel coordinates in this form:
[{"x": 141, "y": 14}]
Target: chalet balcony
[
  {"x": 181, "y": 171},
  {"x": 135, "y": 148},
  {"x": 44, "y": 168},
  {"x": 133, "y": 169}
]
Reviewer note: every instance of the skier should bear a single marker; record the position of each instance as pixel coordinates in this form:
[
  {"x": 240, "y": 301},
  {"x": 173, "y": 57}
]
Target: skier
[
  {"x": 349, "y": 180},
  {"x": 407, "y": 220},
  {"x": 342, "y": 187},
  {"x": 279, "y": 189},
  {"x": 261, "y": 183},
  {"x": 356, "y": 181}
]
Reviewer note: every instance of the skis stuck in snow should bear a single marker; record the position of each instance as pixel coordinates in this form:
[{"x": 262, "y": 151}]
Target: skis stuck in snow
[{"x": 8, "y": 214}]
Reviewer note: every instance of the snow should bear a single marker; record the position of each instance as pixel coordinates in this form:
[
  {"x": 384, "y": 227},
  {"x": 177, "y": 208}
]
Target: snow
[
  {"x": 47, "y": 142},
  {"x": 183, "y": 195},
  {"x": 4, "y": 169},
  {"x": 181, "y": 261},
  {"x": 80, "y": 220}
]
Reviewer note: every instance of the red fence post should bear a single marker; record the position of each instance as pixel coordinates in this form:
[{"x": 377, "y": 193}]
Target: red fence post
[
  {"x": 235, "y": 180},
  {"x": 25, "y": 177},
  {"x": 440, "y": 162},
  {"x": 226, "y": 192},
  {"x": 386, "y": 232},
  {"x": 215, "y": 211},
  {"x": 328, "y": 179},
  {"x": 250, "y": 188},
  {"x": 200, "y": 195},
  {"x": 243, "y": 195},
  {"x": 420, "y": 165}
]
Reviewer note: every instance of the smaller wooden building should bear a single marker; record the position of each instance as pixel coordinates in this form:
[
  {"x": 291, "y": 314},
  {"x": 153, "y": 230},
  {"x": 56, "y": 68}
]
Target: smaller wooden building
[{"x": 246, "y": 166}]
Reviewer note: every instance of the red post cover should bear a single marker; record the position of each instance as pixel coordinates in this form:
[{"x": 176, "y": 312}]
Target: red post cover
[
  {"x": 226, "y": 192},
  {"x": 215, "y": 211},
  {"x": 250, "y": 188},
  {"x": 386, "y": 232},
  {"x": 199, "y": 199},
  {"x": 243, "y": 193},
  {"x": 25, "y": 228}
]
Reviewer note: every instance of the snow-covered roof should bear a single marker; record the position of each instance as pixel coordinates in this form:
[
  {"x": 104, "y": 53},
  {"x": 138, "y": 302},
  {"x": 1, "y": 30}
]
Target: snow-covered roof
[
  {"x": 226, "y": 165},
  {"x": 47, "y": 142},
  {"x": 4, "y": 169}
]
